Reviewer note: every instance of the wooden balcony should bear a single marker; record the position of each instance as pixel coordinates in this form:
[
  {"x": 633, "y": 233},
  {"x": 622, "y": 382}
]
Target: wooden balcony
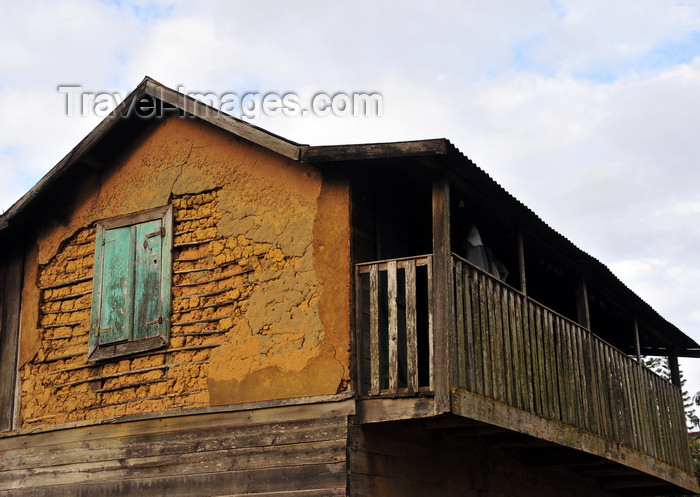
[{"x": 513, "y": 363}]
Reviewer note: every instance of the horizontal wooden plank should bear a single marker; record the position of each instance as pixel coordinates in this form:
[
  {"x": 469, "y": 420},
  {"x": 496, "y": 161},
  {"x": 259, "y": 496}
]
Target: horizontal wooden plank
[
  {"x": 264, "y": 451},
  {"x": 166, "y": 444},
  {"x": 284, "y": 410},
  {"x": 327, "y": 477},
  {"x": 192, "y": 462},
  {"x": 324, "y": 153},
  {"x": 388, "y": 409},
  {"x": 365, "y": 267}
]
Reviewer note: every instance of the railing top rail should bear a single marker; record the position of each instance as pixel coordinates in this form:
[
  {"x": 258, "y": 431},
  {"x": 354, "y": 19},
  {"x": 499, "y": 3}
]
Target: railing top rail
[
  {"x": 421, "y": 260},
  {"x": 614, "y": 349}
]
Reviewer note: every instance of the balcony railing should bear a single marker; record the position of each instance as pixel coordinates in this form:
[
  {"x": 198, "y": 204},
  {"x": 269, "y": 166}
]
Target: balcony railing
[
  {"x": 395, "y": 320},
  {"x": 513, "y": 350}
]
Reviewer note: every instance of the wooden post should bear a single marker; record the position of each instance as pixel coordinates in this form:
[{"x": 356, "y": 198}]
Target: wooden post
[
  {"x": 442, "y": 301},
  {"x": 521, "y": 262},
  {"x": 11, "y": 295},
  {"x": 582, "y": 311},
  {"x": 675, "y": 369},
  {"x": 637, "y": 345}
]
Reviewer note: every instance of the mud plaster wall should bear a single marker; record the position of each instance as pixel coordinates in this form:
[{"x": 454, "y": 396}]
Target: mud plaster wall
[{"x": 260, "y": 283}]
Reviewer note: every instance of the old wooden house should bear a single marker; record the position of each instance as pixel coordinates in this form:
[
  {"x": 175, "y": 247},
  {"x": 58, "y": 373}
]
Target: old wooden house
[{"x": 192, "y": 306}]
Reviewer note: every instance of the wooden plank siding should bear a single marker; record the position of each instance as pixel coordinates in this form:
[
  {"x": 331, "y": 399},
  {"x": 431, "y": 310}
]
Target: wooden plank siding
[
  {"x": 515, "y": 352},
  {"x": 295, "y": 450}
]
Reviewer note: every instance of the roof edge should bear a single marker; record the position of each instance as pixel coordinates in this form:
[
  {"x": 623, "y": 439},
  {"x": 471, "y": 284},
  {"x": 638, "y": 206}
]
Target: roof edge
[
  {"x": 212, "y": 115},
  {"x": 186, "y": 104},
  {"x": 387, "y": 150}
]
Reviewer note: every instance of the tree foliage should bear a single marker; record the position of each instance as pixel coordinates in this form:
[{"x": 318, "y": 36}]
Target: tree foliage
[{"x": 660, "y": 366}]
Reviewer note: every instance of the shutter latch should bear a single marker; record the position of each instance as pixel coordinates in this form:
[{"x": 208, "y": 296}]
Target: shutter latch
[{"x": 159, "y": 232}]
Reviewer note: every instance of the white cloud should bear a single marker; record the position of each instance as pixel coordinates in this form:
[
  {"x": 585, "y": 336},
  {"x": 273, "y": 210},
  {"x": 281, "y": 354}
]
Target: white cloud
[{"x": 577, "y": 107}]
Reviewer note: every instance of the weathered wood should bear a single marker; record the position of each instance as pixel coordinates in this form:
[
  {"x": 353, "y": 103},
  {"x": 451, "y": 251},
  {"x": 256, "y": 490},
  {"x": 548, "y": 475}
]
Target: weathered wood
[
  {"x": 392, "y": 289},
  {"x": 254, "y": 134},
  {"x": 606, "y": 412},
  {"x": 470, "y": 340},
  {"x": 496, "y": 332},
  {"x": 645, "y": 441},
  {"x": 518, "y": 375},
  {"x": 213, "y": 293},
  {"x": 591, "y": 400},
  {"x": 182, "y": 453},
  {"x": 208, "y": 268},
  {"x": 675, "y": 370},
  {"x": 391, "y": 352},
  {"x": 537, "y": 360},
  {"x": 324, "y": 153},
  {"x": 563, "y": 376},
  {"x": 359, "y": 339},
  {"x": 527, "y": 355},
  {"x": 637, "y": 345},
  {"x": 486, "y": 359},
  {"x": 585, "y": 374},
  {"x": 478, "y": 332},
  {"x": 394, "y": 409},
  {"x": 402, "y": 262},
  {"x": 281, "y": 449},
  {"x": 411, "y": 328},
  {"x": 552, "y": 372},
  {"x": 375, "y": 373},
  {"x": 582, "y": 312},
  {"x": 442, "y": 290},
  {"x": 515, "y": 351},
  {"x": 328, "y": 477},
  {"x": 11, "y": 272},
  {"x": 70, "y": 282},
  {"x": 431, "y": 327},
  {"x": 460, "y": 330},
  {"x": 509, "y": 363},
  {"x": 521, "y": 262},
  {"x": 481, "y": 409}
]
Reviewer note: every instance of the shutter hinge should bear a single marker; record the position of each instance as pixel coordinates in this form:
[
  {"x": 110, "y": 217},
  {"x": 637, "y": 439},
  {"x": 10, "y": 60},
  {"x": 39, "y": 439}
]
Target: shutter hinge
[{"x": 157, "y": 321}]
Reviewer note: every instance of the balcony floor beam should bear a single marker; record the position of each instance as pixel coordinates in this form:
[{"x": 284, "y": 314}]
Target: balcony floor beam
[{"x": 485, "y": 410}]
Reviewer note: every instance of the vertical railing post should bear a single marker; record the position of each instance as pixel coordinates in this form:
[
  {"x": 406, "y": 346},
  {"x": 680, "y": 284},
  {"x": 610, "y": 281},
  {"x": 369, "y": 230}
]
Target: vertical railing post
[{"x": 442, "y": 293}]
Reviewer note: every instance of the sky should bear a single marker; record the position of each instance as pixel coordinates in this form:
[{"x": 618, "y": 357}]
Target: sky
[{"x": 587, "y": 111}]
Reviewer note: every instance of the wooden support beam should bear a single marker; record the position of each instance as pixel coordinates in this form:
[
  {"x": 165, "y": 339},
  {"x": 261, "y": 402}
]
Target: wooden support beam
[
  {"x": 393, "y": 409},
  {"x": 521, "y": 262},
  {"x": 442, "y": 302},
  {"x": 10, "y": 308},
  {"x": 637, "y": 344},
  {"x": 556, "y": 457},
  {"x": 489, "y": 411},
  {"x": 582, "y": 311},
  {"x": 675, "y": 369}
]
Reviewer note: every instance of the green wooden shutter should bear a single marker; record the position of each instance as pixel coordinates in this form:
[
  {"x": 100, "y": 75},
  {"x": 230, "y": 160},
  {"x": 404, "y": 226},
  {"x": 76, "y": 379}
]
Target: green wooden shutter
[
  {"x": 131, "y": 284},
  {"x": 148, "y": 272},
  {"x": 117, "y": 286}
]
